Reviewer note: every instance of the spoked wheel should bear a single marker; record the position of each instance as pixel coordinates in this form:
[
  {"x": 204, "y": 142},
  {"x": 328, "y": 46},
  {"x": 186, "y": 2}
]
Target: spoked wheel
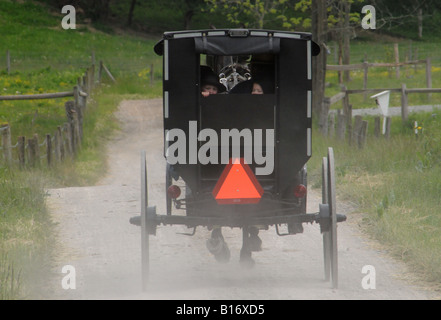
[
  {"x": 168, "y": 182},
  {"x": 329, "y": 212},
  {"x": 145, "y": 248},
  {"x": 326, "y": 234}
]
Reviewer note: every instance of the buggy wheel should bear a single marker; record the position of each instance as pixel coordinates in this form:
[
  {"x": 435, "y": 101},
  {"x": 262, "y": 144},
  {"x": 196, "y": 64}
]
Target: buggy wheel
[
  {"x": 326, "y": 234},
  {"x": 333, "y": 214},
  {"x": 168, "y": 183},
  {"x": 329, "y": 226},
  {"x": 145, "y": 248}
]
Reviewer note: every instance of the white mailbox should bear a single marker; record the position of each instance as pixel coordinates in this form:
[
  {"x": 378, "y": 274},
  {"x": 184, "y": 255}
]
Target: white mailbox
[{"x": 382, "y": 100}]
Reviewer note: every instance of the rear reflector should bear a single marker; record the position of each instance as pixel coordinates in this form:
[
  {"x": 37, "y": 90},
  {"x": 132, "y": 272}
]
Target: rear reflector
[{"x": 237, "y": 184}]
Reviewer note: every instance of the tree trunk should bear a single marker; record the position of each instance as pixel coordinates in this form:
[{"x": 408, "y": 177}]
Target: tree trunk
[
  {"x": 420, "y": 23},
  {"x": 188, "y": 16},
  {"x": 346, "y": 40},
  {"x": 132, "y": 8},
  {"x": 319, "y": 33}
]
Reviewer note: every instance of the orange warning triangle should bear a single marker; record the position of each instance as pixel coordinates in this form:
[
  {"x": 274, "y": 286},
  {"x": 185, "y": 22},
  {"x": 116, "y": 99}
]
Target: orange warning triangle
[{"x": 237, "y": 184}]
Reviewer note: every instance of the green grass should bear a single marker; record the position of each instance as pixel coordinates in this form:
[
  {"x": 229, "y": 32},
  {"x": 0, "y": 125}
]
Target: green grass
[
  {"x": 25, "y": 233},
  {"x": 395, "y": 184}
]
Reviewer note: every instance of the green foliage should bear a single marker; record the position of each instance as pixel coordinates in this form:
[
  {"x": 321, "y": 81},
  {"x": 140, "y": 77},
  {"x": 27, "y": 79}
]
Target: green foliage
[{"x": 252, "y": 14}]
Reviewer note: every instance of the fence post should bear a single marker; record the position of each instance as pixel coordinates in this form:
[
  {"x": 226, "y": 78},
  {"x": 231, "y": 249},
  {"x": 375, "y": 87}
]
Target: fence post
[
  {"x": 61, "y": 143},
  {"x": 6, "y": 143},
  {"x": 86, "y": 81},
  {"x": 377, "y": 125},
  {"x": 68, "y": 141},
  {"x": 33, "y": 150},
  {"x": 362, "y": 134},
  {"x": 100, "y": 71},
  {"x": 397, "y": 60},
  {"x": 21, "y": 144},
  {"x": 349, "y": 124},
  {"x": 57, "y": 146},
  {"x": 92, "y": 78},
  {"x": 78, "y": 106},
  {"x": 341, "y": 125},
  {"x": 404, "y": 103},
  {"x": 76, "y": 135},
  {"x": 331, "y": 126},
  {"x": 49, "y": 150},
  {"x": 357, "y": 128}
]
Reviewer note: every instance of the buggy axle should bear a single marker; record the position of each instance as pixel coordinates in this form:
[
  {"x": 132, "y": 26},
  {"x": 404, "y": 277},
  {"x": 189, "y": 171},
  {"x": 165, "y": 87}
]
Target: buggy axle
[{"x": 155, "y": 219}]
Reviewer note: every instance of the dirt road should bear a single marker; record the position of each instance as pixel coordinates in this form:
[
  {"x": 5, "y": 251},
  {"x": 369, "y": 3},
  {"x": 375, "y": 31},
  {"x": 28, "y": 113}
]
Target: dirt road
[{"x": 97, "y": 240}]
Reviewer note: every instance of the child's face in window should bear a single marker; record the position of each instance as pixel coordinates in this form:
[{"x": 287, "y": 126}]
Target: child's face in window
[
  {"x": 257, "y": 89},
  {"x": 209, "y": 89}
]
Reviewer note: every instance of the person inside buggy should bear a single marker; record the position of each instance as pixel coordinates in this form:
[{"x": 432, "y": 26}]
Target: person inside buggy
[{"x": 210, "y": 82}]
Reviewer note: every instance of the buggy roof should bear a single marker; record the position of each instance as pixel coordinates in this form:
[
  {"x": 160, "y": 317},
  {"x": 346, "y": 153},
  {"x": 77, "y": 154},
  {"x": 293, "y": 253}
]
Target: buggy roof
[{"x": 236, "y": 41}]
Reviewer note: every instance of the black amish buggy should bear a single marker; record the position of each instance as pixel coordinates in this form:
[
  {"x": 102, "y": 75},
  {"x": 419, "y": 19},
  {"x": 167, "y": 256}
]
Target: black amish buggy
[{"x": 241, "y": 156}]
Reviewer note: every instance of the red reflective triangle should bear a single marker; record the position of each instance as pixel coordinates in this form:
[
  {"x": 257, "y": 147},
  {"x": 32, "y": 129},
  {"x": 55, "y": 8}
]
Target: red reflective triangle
[{"x": 237, "y": 184}]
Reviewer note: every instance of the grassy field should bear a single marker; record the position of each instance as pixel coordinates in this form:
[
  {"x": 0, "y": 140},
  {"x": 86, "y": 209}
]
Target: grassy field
[{"x": 394, "y": 183}]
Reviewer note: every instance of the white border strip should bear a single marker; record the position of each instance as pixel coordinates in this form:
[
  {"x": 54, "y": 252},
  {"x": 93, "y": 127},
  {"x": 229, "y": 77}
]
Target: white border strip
[
  {"x": 166, "y": 114},
  {"x": 216, "y": 33},
  {"x": 187, "y": 35},
  {"x": 309, "y": 104},
  {"x": 259, "y": 33},
  {"x": 166, "y": 60},
  {"x": 165, "y": 142},
  {"x": 286, "y": 35},
  {"x": 308, "y": 53},
  {"x": 308, "y": 142}
]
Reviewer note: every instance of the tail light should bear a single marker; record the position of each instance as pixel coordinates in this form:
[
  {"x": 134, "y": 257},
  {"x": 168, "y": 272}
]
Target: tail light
[
  {"x": 300, "y": 191},
  {"x": 174, "y": 191}
]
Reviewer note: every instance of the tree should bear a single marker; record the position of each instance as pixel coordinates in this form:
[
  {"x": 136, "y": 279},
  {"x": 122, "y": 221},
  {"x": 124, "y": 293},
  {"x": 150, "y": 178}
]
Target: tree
[
  {"x": 319, "y": 35},
  {"x": 131, "y": 10},
  {"x": 247, "y": 13},
  {"x": 404, "y": 12},
  {"x": 189, "y": 10}
]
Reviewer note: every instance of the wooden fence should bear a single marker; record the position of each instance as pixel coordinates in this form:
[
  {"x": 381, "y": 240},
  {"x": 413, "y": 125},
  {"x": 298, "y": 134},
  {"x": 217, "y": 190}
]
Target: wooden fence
[
  {"x": 354, "y": 131},
  {"x": 66, "y": 140},
  {"x": 342, "y": 125},
  {"x": 366, "y": 65},
  {"x": 404, "y": 91}
]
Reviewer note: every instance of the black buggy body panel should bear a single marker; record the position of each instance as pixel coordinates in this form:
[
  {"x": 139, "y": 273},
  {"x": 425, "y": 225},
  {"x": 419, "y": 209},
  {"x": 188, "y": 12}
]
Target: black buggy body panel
[{"x": 287, "y": 111}]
